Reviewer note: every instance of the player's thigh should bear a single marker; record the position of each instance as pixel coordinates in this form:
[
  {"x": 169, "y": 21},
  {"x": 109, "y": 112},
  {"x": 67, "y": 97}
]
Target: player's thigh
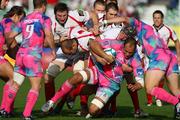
[
  {"x": 152, "y": 78},
  {"x": 6, "y": 70},
  {"x": 35, "y": 82}
]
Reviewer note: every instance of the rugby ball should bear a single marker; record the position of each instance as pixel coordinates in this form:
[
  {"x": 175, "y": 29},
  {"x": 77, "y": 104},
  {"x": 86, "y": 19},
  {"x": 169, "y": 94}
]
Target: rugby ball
[{"x": 110, "y": 51}]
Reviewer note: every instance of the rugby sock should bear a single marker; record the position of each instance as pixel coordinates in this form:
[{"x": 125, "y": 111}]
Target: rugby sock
[
  {"x": 134, "y": 98},
  {"x": 5, "y": 89},
  {"x": 30, "y": 102},
  {"x": 66, "y": 88},
  {"x": 113, "y": 106},
  {"x": 178, "y": 96},
  {"x": 83, "y": 100},
  {"x": 60, "y": 104},
  {"x": 76, "y": 91},
  {"x": 10, "y": 97},
  {"x": 49, "y": 90},
  {"x": 161, "y": 94},
  {"x": 149, "y": 98}
]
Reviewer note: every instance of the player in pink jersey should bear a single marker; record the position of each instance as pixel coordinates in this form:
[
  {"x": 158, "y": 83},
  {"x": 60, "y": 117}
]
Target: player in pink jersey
[
  {"x": 166, "y": 33},
  {"x": 86, "y": 75},
  {"x": 35, "y": 28},
  {"x": 11, "y": 18},
  {"x": 161, "y": 62},
  {"x": 3, "y": 4}
]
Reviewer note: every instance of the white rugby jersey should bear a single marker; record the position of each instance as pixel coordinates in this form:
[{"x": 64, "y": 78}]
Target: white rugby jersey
[
  {"x": 75, "y": 18},
  {"x": 83, "y": 37},
  {"x": 166, "y": 33}
]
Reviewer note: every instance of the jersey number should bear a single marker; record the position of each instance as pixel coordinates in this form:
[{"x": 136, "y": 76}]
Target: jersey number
[{"x": 29, "y": 30}]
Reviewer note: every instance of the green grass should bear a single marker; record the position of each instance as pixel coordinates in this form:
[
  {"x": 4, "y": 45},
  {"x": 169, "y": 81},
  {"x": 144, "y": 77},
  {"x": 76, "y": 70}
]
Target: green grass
[{"x": 125, "y": 107}]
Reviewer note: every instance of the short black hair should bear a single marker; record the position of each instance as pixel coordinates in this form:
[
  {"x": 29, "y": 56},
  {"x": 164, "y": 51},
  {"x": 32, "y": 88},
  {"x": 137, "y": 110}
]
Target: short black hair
[
  {"x": 131, "y": 41},
  {"x": 112, "y": 6},
  {"x": 39, "y": 3},
  {"x": 158, "y": 12},
  {"x": 129, "y": 30},
  {"x": 60, "y": 7},
  {"x": 100, "y": 2}
]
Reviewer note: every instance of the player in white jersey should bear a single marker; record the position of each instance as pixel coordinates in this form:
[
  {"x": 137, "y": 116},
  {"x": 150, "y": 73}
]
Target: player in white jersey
[
  {"x": 166, "y": 33},
  {"x": 99, "y": 9},
  {"x": 64, "y": 20},
  {"x": 111, "y": 12}
]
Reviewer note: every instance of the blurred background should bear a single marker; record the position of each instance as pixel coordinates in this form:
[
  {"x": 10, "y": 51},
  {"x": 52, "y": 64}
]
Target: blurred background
[{"x": 141, "y": 9}]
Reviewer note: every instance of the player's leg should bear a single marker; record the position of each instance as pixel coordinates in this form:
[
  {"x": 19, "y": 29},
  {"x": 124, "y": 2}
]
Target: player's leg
[
  {"x": 79, "y": 77},
  {"x": 138, "y": 112},
  {"x": 152, "y": 80},
  {"x": 32, "y": 96},
  {"x": 6, "y": 71},
  {"x": 52, "y": 71}
]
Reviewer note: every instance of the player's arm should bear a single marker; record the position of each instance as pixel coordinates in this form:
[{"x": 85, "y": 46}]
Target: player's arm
[
  {"x": 116, "y": 20},
  {"x": 97, "y": 49},
  {"x": 138, "y": 74},
  {"x": 177, "y": 46},
  {"x": 49, "y": 36},
  {"x": 99, "y": 59}
]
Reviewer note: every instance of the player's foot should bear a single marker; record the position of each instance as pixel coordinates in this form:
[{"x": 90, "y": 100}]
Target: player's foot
[
  {"x": 149, "y": 104},
  {"x": 140, "y": 114},
  {"x": 158, "y": 103},
  {"x": 177, "y": 111},
  {"x": 28, "y": 118},
  {"x": 88, "y": 116},
  {"x": 70, "y": 102},
  {"x": 46, "y": 107},
  {"x": 4, "y": 114}
]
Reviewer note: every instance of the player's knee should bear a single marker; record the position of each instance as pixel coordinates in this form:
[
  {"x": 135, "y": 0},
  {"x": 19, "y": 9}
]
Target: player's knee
[
  {"x": 149, "y": 90},
  {"x": 18, "y": 79},
  {"x": 78, "y": 66},
  {"x": 76, "y": 79},
  {"x": 53, "y": 69},
  {"x": 82, "y": 76}
]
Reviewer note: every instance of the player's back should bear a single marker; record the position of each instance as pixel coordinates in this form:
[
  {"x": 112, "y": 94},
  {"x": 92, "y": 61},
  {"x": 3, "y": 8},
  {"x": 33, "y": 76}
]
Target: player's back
[{"x": 33, "y": 31}]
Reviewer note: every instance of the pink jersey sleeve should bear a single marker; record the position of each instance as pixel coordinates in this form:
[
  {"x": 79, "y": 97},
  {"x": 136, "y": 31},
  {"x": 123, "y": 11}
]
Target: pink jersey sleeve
[{"x": 47, "y": 23}]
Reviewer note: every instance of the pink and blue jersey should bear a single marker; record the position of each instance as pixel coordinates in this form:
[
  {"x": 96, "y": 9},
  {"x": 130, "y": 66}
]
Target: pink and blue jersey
[
  {"x": 28, "y": 58},
  {"x": 32, "y": 28},
  {"x": 113, "y": 71},
  {"x": 6, "y": 25},
  {"x": 160, "y": 57}
]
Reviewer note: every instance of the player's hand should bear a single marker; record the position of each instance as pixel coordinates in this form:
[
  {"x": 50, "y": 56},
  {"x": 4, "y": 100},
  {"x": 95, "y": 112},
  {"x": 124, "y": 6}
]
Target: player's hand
[
  {"x": 101, "y": 60},
  {"x": 63, "y": 38},
  {"x": 134, "y": 87},
  {"x": 5, "y": 47},
  {"x": 109, "y": 58},
  {"x": 126, "y": 68}
]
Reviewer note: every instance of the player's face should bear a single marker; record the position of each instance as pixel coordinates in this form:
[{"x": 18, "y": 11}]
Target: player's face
[
  {"x": 71, "y": 51},
  {"x": 17, "y": 18},
  {"x": 158, "y": 20},
  {"x": 62, "y": 16},
  {"x": 128, "y": 50},
  {"x": 3, "y": 4},
  {"x": 111, "y": 13},
  {"x": 99, "y": 8}
]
